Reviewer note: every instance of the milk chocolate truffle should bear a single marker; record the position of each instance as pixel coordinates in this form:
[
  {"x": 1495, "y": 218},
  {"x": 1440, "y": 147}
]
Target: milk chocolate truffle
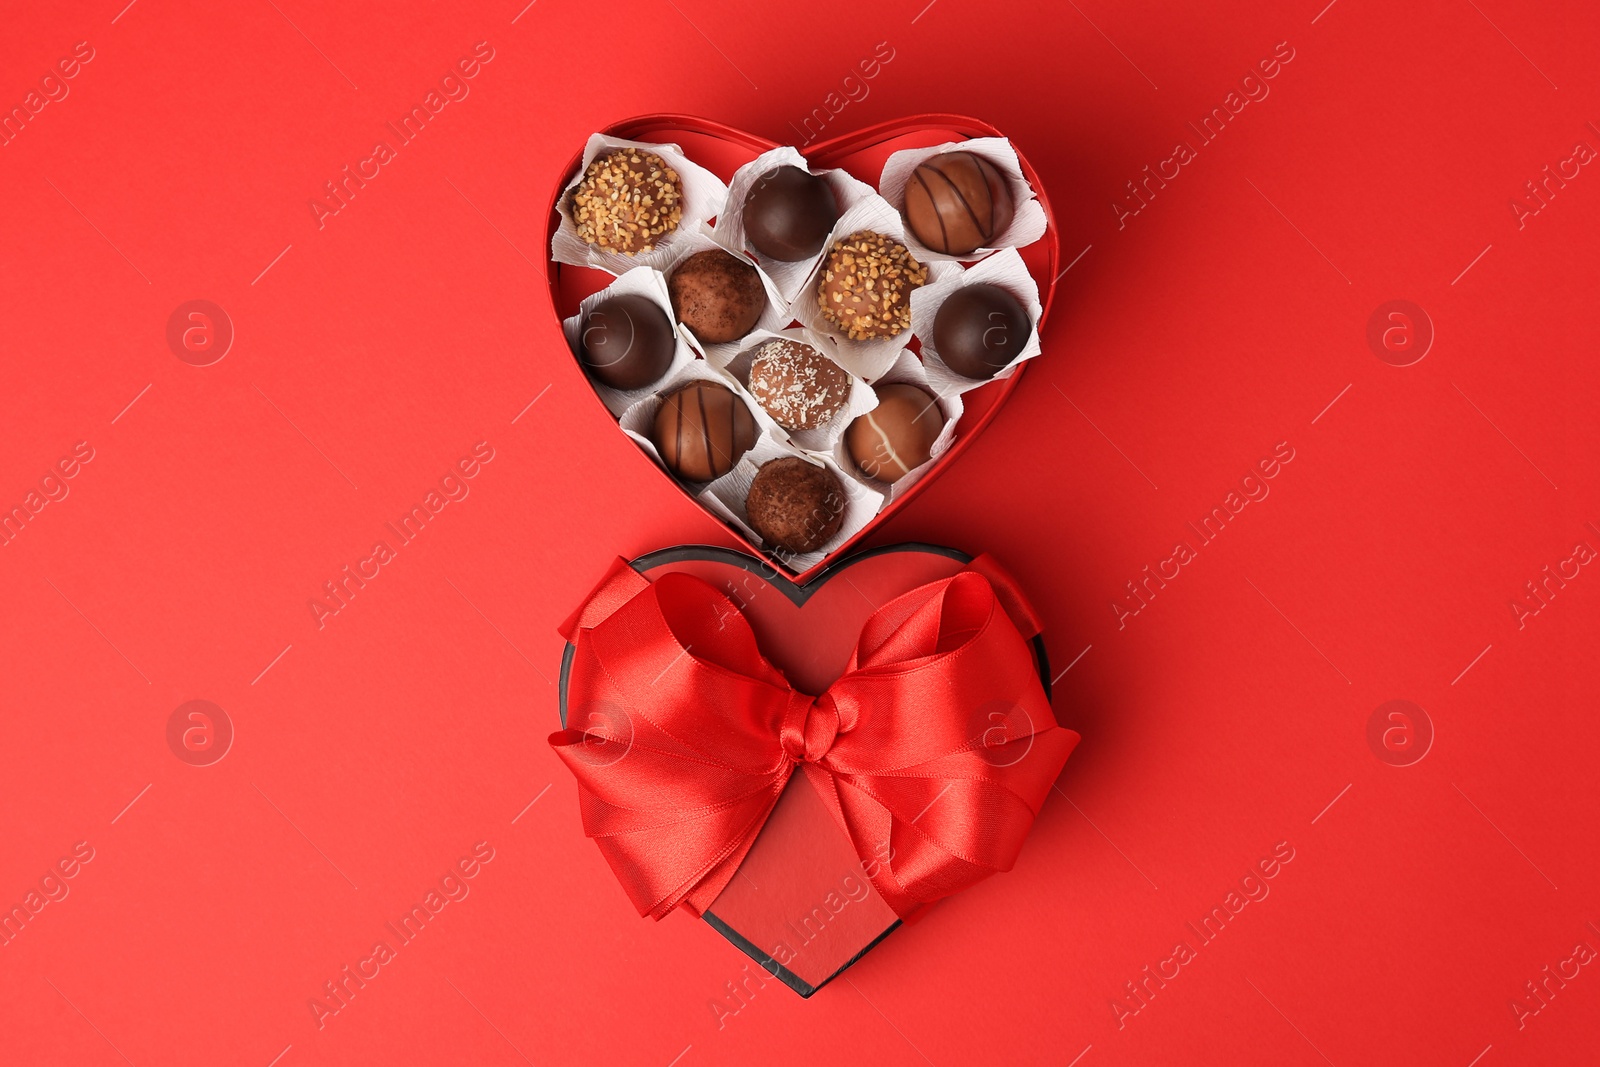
[
  {"x": 980, "y": 329},
  {"x": 717, "y": 295},
  {"x": 798, "y": 386},
  {"x": 788, "y": 214},
  {"x": 627, "y": 342},
  {"x": 627, "y": 201},
  {"x": 866, "y": 285},
  {"x": 795, "y": 505},
  {"x": 958, "y": 202},
  {"x": 897, "y": 436},
  {"x": 702, "y": 430}
]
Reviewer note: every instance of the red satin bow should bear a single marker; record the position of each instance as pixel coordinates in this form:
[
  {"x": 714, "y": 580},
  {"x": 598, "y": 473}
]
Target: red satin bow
[{"x": 934, "y": 749}]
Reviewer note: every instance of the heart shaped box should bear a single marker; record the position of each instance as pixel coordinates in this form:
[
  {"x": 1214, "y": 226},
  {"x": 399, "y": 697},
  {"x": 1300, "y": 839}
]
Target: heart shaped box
[
  {"x": 801, "y": 904},
  {"x": 723, "y": 149}
]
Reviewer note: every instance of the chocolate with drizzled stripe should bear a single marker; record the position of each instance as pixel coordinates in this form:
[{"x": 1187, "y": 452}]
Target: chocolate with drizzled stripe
[
  {"x": 958, "y": 202},
  {"x": 702, "y": 430}
]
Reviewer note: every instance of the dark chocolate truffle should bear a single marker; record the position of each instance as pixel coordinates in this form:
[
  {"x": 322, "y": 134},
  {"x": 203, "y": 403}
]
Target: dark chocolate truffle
[
  {"x": 866, "y": 285},
  {"x": 788, "y": 214},
  {"x": 980, "y": 329},
  {"x": 717, "y": 295},
  {"x": 702, "y": 430},
  {"x": 627, "y": 341},
  {"x": 798, "y": 386},
  {"x": 795, "y": 505},
  {"x": 958, "y": 202},
  {"x": 897, "y": 436},
  {"x": 627, "y": 201}
]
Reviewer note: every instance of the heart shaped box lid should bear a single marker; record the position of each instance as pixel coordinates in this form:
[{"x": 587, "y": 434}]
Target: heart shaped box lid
[
  {"x": 722, "y": 150},
  {"x": 801, "y": 904}
]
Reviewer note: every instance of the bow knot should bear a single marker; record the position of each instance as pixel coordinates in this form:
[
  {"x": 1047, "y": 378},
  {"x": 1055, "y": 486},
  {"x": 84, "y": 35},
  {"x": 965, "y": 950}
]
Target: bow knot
[
  {"x": 810, "y": 727},
  {"x": 709, "y": 733}
]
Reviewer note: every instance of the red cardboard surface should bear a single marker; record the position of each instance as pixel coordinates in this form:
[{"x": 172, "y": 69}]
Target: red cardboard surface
[{"x": 1212, "y": 323}]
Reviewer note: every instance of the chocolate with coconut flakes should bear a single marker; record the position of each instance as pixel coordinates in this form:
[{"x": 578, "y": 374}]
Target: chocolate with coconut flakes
[{"x": 798, "y": 386}]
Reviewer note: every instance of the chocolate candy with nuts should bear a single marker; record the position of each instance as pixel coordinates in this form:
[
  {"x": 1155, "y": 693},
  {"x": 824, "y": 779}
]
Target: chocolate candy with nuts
[
  {"x": 627, "y": 201},
  {"x": 866, "y": 284}
]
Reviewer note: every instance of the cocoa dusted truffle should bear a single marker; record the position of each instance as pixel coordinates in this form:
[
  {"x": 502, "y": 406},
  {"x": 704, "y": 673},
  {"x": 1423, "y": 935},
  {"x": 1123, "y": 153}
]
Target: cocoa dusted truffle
[
  {"x": 980, "y": 329},
  {"x": 795, "y": 505},
  {"x": 788, "y": 214},
  {"x": 798, "y": 386},
  {"x": 957, "y": 203},
  {"x": 866, "y": 285},
  {"x": 627, "y": 201},
  {"x": 897, "y": 436},
  {"x": 717, "y": 295},
  {"x": 627, "y": 342},
  {"x": 702, "y": 430}
]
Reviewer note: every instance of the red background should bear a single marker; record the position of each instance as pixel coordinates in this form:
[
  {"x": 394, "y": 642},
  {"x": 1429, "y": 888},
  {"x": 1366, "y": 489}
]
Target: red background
[{"x": 374, "y": 352}]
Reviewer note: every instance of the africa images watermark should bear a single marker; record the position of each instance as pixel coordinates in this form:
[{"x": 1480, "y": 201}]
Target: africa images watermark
[
  {"x": 1253, "y": 488},
  {"x": 853, "y": 88},
  {"x": 1539, "y": 992},
  {"x": 1253, "y": 88},
  {"x": 53, "y": 488},
  {"x": 854, "y": 887},
  {"x": 53, "y": 88},
  {"x": 338, "y": 992},
  {"x": 453, "y": 88},
  {"x": 1253, "y": 888},
  {"x": 352, "y": 578},
  {"x": 53, "y": 889},
  {"x": 1551, "y": 579}
]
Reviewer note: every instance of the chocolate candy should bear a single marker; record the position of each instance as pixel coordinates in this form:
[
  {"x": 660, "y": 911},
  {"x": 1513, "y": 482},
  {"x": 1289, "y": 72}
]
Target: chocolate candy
[
  {"x": 798, "y": 386},
  {"x": 717, "y": 295},
  {"x": 866, "y": 285},
  {"x": 702, "y": 430},
  {"x": 897, "y": 436},
  {"x": 958, "y": 202},
  {"x": 627, "y": 342},
  {"x": 980, "y": 329},
  {"x": 795, "y": 505},
  {"x": 627, "y": 201},
  {"x": 788, "y": 214}
]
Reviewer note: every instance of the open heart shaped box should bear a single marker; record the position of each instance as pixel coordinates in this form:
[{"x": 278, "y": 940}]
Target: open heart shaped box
[
  {"x": 723, "y": 149},
  {"x": 801, "y": 904}
]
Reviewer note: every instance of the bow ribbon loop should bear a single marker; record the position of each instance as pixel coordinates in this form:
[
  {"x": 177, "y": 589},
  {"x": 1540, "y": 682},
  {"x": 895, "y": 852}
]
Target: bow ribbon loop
[{"x": 934, "y": 749}]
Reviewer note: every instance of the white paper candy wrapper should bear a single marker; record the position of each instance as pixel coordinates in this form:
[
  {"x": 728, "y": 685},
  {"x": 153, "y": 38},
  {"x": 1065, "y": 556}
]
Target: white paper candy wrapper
[
  {"x": 1005, "y": 269},
  {"x": 1027, "y": 224},
  {"x": 908, "y": 370},
  {"x": 822, "y": 439},
  {"x": 775, "y": 317},
  {"x": 789, "y": 277},
  {"x": 640, "y": 281},
  {"x": 703, "y": 197},
  {"x": 725, "y": 498},
  {"x": 865, "y": 359}
]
